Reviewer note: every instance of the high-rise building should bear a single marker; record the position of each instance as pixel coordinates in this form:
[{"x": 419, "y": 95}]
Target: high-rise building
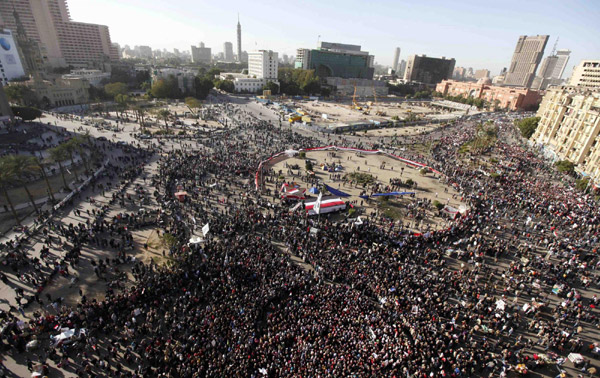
[
  {"x": 547, "y": 67},
  {"x": 396, "y": 58},
  {"x": 525, "y": 61},
  {"x": 32, "y": 57},
  {"x": 551, "y": 70},
  {"x": 459, "y": 73},
  {"x": 482, "y": 74},
  {"x": 569, "y": 128},
  {"x": 63, "y": 41},
  {"x": 240, "y": 57},
  {"x": 336, "y": 60},
  {"x": 426, "y": 70},
  {"x": 201, "y": 54},
  {"x": 228, "y": 51},
  {"x": 561, "y": 63},
  {"x": 586, "y": 75},
  {"x": 401, "y": 68},
  {"x": 263, "y": 64},
  {"x": 144, "y": 51}
]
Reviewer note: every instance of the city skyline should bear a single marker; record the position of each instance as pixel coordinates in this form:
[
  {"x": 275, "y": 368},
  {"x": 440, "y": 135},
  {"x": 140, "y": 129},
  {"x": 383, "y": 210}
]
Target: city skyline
[{"x": 477, "y": 35}]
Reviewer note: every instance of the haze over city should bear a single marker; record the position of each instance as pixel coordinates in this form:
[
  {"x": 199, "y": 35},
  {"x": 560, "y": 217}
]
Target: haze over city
[{"x": 479, "y": 34}]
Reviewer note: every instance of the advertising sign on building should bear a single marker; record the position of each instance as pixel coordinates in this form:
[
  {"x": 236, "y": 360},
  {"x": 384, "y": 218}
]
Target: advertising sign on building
[{"x": 10, "y": 62}]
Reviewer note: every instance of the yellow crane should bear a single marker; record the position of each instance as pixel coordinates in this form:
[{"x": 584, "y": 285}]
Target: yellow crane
[{"x": 354, "y": 102}]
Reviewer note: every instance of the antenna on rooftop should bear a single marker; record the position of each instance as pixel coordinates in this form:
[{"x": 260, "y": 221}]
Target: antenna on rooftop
[
  {"x": 554, "y": 48},
  {"x": 318, "y": 40}
]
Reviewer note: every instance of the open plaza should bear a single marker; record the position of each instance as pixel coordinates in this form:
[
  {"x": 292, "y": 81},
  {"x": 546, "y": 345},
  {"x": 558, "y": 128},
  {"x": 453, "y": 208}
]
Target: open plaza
[{"x": 210, "y": 249}]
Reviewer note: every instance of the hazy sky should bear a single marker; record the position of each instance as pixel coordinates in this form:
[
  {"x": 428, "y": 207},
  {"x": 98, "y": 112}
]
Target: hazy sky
[{"x": 477, "y": 33}]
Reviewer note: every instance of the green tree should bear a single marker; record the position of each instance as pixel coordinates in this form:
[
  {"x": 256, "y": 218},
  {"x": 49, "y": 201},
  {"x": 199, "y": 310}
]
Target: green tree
[
  {"x": 313, "y": 86},
  {"x": 308, "y": 166},
  {"x": 164, "y": 115},
  {"x": 193, "y": 104},
  {"x": 140, "y": 112},
  {"x": 290, "y": 89},
  {"x": 26, "y": 113},
  {"x": 527, "y": 126},
  {"x": 71, "y": 147},
  {"x": 7, "y": 178},
  {"x": 225, "y": 85},
  {"x": 202, "y": 86},
  {"x": 271, "y": 86},
  {"x": 114, "y": 89},
  {"x": 213, "y": 72},
  {"x": 123, "y": 101},
  {"x": 166, "y": 88},
  {"x": 565, "y": 166},
  {"x": 21, "y": 94},
  {"x": 45, "y": 176},
  {"x": 80, "y": 144},
  {"x": 59, "y": 154},
  {"x": 582, "y": 184},
  {"x": 24, "y": 168}
]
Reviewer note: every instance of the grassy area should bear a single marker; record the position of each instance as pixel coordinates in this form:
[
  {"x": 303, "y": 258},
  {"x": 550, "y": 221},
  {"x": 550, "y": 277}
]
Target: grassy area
[
  {"x": 485, "y": 137},
  {"x": 38, "y": 188},
  {"x": 360, "y": 178},
  {"x": 390, "y": 208}
]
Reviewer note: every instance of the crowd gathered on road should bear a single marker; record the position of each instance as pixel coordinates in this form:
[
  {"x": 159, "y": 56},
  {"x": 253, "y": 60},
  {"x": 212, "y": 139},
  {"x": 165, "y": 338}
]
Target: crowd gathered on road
[{"x": 508, "y": 287}]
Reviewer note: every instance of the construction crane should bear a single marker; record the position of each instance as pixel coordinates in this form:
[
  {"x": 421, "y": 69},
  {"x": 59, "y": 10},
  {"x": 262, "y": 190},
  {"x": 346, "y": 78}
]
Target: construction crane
[{"x": 354, "y": 102}]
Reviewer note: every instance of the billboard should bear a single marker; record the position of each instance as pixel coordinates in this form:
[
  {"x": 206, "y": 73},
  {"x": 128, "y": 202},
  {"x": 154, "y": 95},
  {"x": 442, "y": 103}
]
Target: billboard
[{"x": 10, "y": 62}]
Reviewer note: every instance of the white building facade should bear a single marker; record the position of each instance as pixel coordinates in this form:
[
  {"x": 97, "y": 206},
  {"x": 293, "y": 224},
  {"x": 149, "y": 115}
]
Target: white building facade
[
  {"x": 263, "y": 68},
  {"x": 263, "y": 64},
  {"x": 94, "y": 77},
  {"x": 586, "y": 75}
]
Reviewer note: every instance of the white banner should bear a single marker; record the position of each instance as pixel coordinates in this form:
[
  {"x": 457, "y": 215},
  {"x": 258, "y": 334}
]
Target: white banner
[
  {"x": 317, "y": 206},
  {"x": 205, "y": 229}
]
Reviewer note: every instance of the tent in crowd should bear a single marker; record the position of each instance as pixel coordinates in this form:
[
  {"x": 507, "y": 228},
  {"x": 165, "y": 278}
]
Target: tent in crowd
[
  {"x": 454, "y": 212},
  {"x": 292, "y": 192},
  {"x": 327, "y": 206},
  {"x": 181, "y": 195},
  {"x": 391, "y": 194},
  {"x": 336, "y": 192},
  {"x": 313, "y": 190}
]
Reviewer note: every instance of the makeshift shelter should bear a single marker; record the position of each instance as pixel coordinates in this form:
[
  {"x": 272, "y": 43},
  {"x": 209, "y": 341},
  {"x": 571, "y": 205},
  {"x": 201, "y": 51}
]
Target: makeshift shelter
[
  {"x": 292, "y": 192},
  {"x": 66, "y": 336},
  {"x": 336, "y": 192},
  {"x": 391, "y": 194},
  {"x": 181, "y": 195},
  {"x": 327, "y": 206},
  {"x": 313, "y": 190}
]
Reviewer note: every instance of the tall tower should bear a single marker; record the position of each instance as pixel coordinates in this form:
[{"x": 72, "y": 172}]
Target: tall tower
[
  {"x": 525, "y": 61},
  {"x": 239, "y": 40},
  {"x": 396, "y": 58}
]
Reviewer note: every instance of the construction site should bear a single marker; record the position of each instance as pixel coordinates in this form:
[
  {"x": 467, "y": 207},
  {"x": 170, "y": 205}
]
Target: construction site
[{"x": 359, "y": 113}]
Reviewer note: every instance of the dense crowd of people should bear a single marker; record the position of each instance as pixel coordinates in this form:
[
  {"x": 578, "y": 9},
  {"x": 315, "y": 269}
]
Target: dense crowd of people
[{"x": 273, "y": 293}]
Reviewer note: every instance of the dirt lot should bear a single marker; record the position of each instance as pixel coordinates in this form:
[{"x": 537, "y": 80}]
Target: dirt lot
[
  {"x": 428, "y": 186},
  {"x": 343, "y": 112}
]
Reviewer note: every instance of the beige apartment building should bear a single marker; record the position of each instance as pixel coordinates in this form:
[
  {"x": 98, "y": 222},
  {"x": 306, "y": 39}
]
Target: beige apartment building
[
  {"x": 63, "y": 41},
  {"x": 587, "y": 75},
  {"x": 569, "y": 128}
]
